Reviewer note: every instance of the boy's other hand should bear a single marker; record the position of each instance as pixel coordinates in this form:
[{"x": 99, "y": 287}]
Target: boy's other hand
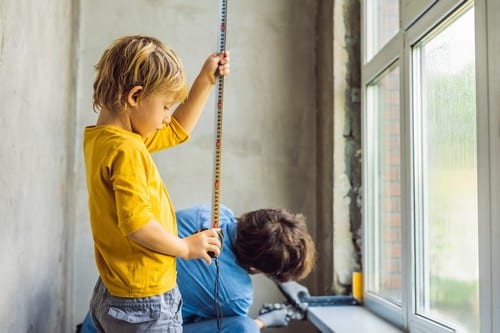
[
  {"x": 200, "y": 243},
  {"x": 274, "y": 315}
]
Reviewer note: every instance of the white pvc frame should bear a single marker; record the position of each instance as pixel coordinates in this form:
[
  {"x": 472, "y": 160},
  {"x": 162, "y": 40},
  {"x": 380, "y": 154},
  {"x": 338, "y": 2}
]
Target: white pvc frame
[{"x": 417, "y": 19}]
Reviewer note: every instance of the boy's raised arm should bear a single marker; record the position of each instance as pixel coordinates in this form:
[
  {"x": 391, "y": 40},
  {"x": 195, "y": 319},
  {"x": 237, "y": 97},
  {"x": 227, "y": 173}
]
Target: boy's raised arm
[{"x": 188, "y": 113}]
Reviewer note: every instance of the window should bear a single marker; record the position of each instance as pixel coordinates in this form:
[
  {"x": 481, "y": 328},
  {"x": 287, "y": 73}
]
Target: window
[
  {"x": 445, "y": 174},
  {"x": 382, "y": 22},
  {"x": 385, "y": 230},
  {"x": 421, "y": 189}
]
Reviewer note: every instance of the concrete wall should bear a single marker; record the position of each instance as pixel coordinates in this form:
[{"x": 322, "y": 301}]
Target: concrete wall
[
  {"x": 36, "y": 138},
  {"x": 269, "y": 149},
  {"x": 347, "y": 145}
]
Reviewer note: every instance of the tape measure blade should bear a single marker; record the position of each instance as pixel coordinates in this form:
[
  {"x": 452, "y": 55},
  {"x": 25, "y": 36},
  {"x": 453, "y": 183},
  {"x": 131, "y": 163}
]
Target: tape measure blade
[{"x": 221, "y": 46}]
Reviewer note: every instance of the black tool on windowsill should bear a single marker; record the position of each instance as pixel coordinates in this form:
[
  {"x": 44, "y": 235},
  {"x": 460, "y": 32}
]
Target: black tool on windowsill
[
  {"x": 329, "y": 300},
  {"x": 299, "y": 297}
]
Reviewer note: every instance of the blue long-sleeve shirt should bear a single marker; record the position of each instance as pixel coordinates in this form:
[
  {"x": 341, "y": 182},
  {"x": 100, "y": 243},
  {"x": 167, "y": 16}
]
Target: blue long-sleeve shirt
[{"x": 196, "y": 279}]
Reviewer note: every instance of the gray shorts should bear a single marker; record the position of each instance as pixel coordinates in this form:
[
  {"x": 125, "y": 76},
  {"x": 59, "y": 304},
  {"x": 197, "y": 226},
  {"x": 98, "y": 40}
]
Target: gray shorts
[{"x": 155, "y": 314}]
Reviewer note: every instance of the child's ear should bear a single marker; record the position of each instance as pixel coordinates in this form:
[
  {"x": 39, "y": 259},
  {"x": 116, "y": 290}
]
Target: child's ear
[{"x": 134, "y": 94}]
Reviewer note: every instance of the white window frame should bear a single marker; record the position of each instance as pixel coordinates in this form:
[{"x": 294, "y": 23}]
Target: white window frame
[
  {"x": 417, "y": 18},
  {"x": 488, "y": 121},
  {"x": 410, "y": 10}
]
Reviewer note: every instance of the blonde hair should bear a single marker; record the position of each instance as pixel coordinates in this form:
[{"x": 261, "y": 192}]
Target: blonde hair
[{"x": 137, "y": 61}]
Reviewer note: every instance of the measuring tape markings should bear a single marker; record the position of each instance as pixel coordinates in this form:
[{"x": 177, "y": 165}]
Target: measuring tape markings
[
  {"x": 218, "y": 152},
  {"x": 218, "y": 124}
]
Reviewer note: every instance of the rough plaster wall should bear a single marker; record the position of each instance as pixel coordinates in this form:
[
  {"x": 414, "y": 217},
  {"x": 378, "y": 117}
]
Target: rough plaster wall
[
  {"x": 36, "y": 108},
  {"x": 269, "y": 128},
  {"x": 347, "y": 138},
  {"x": 352, "y": 128}
]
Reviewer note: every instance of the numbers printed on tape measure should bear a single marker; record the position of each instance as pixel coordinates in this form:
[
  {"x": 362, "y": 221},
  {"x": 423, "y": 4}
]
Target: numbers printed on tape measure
[{"x": 218, "y": 128}]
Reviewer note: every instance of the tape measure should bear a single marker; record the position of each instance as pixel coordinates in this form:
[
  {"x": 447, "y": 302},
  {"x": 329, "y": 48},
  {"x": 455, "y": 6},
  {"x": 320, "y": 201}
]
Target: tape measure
[{"x": 221, "y": 46}]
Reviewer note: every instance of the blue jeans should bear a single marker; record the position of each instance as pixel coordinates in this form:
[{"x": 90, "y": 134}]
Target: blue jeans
[
  {"x": 88, "y": 325},
  {"x": 233, "y": 324},
  {"x": 155, "y": 314}
]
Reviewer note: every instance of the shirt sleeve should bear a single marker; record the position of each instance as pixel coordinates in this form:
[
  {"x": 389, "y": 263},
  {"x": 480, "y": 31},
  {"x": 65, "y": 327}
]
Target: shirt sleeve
[
  {"x": 129, "y": 179},
  {"x": 237, "y": 306},
  {"x": 170, "y": 135}
]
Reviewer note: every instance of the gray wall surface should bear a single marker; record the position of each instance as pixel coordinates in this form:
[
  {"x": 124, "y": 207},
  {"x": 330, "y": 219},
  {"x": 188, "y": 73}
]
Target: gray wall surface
[
  {"x": 36, "y": 129},
  {"x": 268, "y": 144}
]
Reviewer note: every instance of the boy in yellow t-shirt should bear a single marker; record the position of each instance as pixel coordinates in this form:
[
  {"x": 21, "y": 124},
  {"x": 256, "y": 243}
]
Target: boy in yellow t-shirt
[{"x": 139, "y": 80}]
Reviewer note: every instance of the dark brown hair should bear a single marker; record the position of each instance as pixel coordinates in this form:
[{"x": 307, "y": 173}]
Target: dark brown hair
[{"x": 275, "y": 242}]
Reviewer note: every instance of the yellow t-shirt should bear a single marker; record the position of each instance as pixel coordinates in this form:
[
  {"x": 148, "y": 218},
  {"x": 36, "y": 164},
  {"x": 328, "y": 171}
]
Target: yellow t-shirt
[{"x": 125, "y": 192}]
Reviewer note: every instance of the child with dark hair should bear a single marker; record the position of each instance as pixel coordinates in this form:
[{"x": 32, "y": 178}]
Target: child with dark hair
[{"x": 274, "y": 242}]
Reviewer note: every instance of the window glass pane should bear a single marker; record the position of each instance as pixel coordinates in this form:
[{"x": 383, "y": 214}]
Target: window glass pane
[
  {"x": 382, "y": 18},
  {"x": 384, "y": 278},
  {"x": 446, "y": 176}
]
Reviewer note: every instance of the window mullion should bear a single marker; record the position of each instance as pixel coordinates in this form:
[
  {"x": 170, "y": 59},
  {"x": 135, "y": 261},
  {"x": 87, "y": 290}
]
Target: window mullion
[
  {"x": 487, "y": 25},
  {"x": 406, "y": 193}
]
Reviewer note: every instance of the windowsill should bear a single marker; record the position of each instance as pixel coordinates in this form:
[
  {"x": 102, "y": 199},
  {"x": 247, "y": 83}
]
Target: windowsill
[{"x": 348, "y": 319}]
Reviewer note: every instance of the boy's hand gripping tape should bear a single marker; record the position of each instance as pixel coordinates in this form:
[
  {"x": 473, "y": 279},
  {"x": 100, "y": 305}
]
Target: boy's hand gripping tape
[{"x": 220, "y": 235}]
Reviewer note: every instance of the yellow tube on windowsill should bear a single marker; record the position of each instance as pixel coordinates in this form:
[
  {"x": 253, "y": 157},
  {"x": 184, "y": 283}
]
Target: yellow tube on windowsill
[{"x": 357, "y": 286}]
